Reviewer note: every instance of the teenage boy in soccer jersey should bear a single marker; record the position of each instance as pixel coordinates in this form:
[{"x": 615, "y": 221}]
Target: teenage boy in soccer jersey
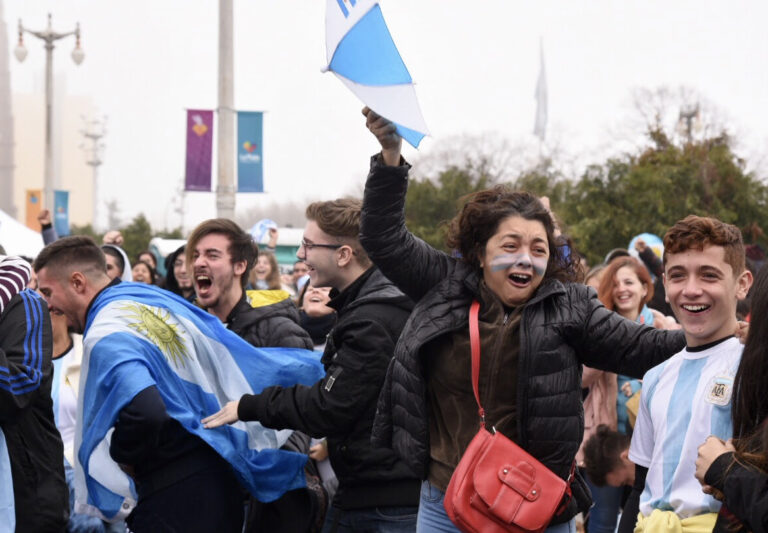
[{"x": 688, "y": 397}]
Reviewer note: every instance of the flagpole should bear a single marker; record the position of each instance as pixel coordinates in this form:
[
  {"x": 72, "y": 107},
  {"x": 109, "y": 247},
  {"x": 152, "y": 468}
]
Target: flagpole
[
  {"x": 540, "y": 124},
  {"x": 225, "y": 188}
]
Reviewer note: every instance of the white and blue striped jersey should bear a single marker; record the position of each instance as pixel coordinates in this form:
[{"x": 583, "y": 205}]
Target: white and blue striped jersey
[{"x": 684, "y": 400}]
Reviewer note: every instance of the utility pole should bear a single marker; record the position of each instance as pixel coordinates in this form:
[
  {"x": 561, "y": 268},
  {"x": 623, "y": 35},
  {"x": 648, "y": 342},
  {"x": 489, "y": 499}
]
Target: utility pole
[
  {"x": 225, "y": 188},
  {"x": 685, "y": 121},
  {"x": 94, "y": 131}
]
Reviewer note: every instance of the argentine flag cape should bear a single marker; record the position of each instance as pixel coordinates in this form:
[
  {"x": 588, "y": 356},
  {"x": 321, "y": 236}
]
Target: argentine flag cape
[{"x": 137, "y": 335}]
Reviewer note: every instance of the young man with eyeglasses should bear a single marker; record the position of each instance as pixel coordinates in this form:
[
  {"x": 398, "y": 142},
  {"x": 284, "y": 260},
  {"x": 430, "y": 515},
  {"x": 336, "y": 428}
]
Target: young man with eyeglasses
[
  {"x": 220, "y": 255},
  {"x": 377, "y": 491}
]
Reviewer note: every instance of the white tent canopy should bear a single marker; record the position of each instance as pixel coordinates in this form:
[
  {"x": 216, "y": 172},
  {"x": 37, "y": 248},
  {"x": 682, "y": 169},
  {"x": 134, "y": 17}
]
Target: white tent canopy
[{"x": 17, "y": 239}]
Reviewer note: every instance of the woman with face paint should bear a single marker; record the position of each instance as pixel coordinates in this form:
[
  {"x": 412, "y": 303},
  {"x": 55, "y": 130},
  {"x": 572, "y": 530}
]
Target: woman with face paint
[{"x": 537, "y": 327}]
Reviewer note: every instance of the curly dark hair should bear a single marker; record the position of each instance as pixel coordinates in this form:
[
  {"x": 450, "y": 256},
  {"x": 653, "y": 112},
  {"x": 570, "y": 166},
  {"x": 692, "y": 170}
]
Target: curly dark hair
[
  {"x": 602, "y": 453},
  {"x": 479, "y": 219},
  {"x": 695, "y": 232}
]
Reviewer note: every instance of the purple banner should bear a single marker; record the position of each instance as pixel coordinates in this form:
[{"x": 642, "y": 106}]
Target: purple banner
[{"x": 199, "y": 150}]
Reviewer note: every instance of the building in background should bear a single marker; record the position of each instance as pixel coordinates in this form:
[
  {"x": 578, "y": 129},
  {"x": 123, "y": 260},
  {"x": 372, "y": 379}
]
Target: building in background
[
  {"x": 6, "y": 125},
  {"x": 22, "y": 139},
  {"x": 71, "y": 173}
]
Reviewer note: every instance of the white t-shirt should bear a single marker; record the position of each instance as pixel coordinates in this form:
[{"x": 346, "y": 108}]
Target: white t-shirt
[
  {"x": 684, "y": 400},
  {"x": 64, "y": 399}
]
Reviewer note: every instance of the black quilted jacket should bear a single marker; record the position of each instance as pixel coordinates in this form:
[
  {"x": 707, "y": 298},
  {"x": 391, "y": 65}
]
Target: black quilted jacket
[
  {"x": 274, "y": 325},
  {"x": 563, "y": 326}
]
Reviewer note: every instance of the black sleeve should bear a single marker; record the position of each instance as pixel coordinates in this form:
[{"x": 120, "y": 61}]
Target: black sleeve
[
  {"x": 745, "y": 491},
  {"x": 608, "y": 341},
  {"x": 632, "y": 507},
  {"x": 349, "y": 389},
  {"x": 26, "y": 343},
  {"x": 652, "y": 261},
  {"x": 410, "y": 263},
  {"x": 49, "y": 234},
  {"x": 283, "y": 332},
  {"x": 138, "y": 427}
]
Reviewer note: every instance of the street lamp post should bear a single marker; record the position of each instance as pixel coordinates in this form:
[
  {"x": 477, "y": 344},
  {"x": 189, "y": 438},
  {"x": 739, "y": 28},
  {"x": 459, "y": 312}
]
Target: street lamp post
[{"x": 48, "y": 36}]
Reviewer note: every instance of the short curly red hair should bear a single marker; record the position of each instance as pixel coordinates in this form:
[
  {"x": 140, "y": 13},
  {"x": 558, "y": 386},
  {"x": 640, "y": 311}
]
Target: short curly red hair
[{"x": 695, "y": 232}]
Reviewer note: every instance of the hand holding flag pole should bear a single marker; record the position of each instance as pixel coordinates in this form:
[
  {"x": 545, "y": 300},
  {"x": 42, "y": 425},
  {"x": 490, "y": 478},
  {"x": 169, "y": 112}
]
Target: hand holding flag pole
[{"x": 386, "y": 132}]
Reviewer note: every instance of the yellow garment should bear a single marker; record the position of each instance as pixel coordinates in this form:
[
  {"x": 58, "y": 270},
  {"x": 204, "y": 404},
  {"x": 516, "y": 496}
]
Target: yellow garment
[
  {"x": 264, "y": 298},
  {"x": 669, "y": 522},
  {"x": 633, "y": 407}
]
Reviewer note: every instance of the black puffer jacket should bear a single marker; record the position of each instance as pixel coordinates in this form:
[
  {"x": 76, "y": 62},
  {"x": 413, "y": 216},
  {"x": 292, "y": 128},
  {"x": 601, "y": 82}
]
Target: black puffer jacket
[
  {"x": 341, "y": 406},
  {"x": 272, "y": 325},
  {"x": 745, "y": 494},
  {"x": 563, "y": 326}
]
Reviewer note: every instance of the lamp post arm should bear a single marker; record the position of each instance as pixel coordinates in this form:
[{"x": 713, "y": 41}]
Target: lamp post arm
[{"x": 48, "y": 36}]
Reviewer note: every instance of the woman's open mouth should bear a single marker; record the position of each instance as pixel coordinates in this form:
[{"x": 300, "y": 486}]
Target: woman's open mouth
[{"x": 520, "y": 280}]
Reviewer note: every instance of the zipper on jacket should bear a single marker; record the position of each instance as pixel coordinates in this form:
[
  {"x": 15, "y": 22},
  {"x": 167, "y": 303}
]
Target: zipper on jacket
[
  {"x": 522, "y": 382},
  {"x": 506, "y": 317}
]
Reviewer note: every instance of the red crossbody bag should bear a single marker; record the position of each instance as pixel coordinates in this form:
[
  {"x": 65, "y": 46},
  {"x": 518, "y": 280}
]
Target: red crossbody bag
[{"x": 498, "y": 487}]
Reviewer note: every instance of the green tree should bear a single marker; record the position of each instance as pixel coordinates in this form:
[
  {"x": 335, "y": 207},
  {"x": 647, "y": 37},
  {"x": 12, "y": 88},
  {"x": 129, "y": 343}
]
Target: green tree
[
  {"x": 136, "y": 236},
  {"x": 431, "y": 204},
  {"x": 175, "y": 233},
  {"x": 85, "y": 229},
  {"x": 628, "y": 195}
]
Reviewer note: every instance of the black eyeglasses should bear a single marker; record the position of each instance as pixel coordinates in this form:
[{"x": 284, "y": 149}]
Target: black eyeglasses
[{"x": 309, "y": 245}]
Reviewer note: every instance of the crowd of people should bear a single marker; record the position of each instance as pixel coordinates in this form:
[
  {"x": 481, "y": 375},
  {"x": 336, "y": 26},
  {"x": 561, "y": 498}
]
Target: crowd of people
[{"x": 224, "y": 396}]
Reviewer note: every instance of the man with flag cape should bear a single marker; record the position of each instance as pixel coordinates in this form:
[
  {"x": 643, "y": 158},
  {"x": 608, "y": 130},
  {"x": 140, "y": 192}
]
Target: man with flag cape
[{"x": 152, "y": 366}]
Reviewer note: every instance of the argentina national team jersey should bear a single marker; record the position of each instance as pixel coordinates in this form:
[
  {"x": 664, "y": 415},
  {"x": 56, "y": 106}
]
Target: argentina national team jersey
[{"x": 684, "y": 400}]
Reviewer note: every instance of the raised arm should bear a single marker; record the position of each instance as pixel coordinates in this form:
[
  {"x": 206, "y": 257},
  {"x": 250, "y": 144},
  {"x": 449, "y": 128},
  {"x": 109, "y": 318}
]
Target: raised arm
[
  {"x": 610, "y": 342},
  {"x": 46, "y": 227},
  {"x": 410, "y": 263}
]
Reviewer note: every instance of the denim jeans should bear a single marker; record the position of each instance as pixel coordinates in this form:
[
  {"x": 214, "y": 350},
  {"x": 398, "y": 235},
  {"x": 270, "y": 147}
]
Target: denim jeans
[
  {"x": 373, "y": 520},
  {"x": 604, "y": 514},
  {"x": 433, "y": 518}
]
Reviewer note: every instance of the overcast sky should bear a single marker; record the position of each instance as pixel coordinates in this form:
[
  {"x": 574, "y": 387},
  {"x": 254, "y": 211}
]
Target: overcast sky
[{"x": 475, "y": 65}]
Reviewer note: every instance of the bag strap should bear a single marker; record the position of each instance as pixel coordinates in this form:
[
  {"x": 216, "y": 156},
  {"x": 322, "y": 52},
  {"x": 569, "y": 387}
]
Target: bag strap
[{"x": 474, "y": 341}]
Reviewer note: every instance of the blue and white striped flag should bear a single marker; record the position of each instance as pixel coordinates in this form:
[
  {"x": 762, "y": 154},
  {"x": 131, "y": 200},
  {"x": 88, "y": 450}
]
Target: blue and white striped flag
[{"x": 137, "y": 335}]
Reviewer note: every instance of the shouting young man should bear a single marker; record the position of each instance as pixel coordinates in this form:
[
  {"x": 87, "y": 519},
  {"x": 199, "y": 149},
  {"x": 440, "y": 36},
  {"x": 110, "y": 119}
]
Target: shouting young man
[
  {"x": 377, "y": 492},
  {"x": 220, "y": 255}
]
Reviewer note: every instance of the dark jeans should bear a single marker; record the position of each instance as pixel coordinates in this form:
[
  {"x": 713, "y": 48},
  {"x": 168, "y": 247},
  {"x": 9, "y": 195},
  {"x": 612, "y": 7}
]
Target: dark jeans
[
  {"x": 434, "y": 519},
  {"x": 372, "y": 520},
  {"x": 209, "y": 500},
  {"x": 604, "y": 514}
]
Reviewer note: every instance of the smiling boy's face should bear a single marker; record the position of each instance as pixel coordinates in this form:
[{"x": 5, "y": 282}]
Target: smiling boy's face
[{"x": 703, "y": 290}]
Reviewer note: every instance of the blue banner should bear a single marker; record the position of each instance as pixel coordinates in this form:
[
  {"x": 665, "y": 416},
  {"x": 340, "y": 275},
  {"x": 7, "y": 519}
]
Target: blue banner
[
  {"x": 61, "y": 212},
  {"x": 250, "y": 156}
]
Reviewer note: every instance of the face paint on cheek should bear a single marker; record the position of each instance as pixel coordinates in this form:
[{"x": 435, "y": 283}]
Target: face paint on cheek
[
  {"x": 505, "y": 261},
  {"x": 523, "y": 261},
  {"x": 540, "y": 265}
]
